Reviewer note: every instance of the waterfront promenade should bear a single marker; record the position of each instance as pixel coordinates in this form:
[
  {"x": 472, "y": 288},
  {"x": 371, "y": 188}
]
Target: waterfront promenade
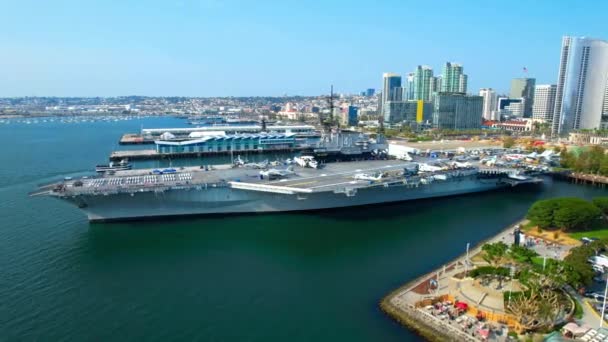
[
  {"x": 404, "y": 304},
  {"x": 411, "y": 304},
  {"x": 427, "y": 304}
]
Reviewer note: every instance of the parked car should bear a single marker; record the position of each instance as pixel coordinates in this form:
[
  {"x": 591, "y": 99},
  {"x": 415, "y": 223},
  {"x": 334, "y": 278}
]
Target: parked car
[{"x": 595, "y": 295}]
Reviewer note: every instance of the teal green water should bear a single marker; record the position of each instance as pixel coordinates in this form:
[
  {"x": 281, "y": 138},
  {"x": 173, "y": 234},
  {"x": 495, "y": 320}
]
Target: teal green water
[{"x": 297, "y": 277}]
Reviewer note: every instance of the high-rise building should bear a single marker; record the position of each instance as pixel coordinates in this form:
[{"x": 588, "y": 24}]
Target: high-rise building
[
  {"x": 489, "y": 104},
  {"x": 457, "y": 111},
  {"x": 423, "y": 83},
  {"x": 581, "y": 85},
  {"x": 409, "y": 87},
  {"x": 370, "y": 92},
  {"x": 348, "y": 116},
  {"x": 399, "y": 94},
  {"x": 604, "y": 121},
  {"x": 510, "y": 108},
  {"x": 408, "y": 111},
  {"x": 453, "y": 79},
  {"x": 435, "y": 86},
  {"x": 389, "y": 91},
  {"x": 544, "y": 102},
  {"x": 524, "y": 88}
]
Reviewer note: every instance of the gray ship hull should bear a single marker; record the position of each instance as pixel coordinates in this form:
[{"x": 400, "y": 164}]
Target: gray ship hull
[{"x": 225, "y": 200}]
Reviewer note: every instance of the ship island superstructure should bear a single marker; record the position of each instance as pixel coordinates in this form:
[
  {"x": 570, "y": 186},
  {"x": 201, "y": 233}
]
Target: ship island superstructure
[{"x": 255, "y": 188}]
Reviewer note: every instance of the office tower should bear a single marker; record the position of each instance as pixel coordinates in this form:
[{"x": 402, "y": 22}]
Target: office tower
[
  {"x": 510, "y": 108},
  {"x": 453, "y": 79},
  {"x": 409, "y": 87},
  {"x": 581, "y": 85},
  {"x": 437, "y": 84},
  {"x": 457, "y": 111},
  {"x": 348, "y": 115},
  {"x": 370, "y": 92},
  {"x": 544, "y": 102},
  {"x": 524, "y": 88},
  {"x": 391, "y": 82},
  {"x": 408, "y": 111},
  {"x": 398, "y": 94},
  {"x": 604, "y": 120},
  {"x": 489, "y": 104},
  {"x": 423, "y": 78}
]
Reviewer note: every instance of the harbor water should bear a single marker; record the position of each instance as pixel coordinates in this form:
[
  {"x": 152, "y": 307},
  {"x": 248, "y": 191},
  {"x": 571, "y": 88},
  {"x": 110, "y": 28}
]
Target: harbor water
[{"x": 298, "y": 277}]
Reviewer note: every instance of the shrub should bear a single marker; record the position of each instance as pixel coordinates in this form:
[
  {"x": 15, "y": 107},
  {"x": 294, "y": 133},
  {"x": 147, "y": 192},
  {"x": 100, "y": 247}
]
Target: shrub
[
  {"x": 601, "y": 203},
  {"x": 489, "y": 270}
]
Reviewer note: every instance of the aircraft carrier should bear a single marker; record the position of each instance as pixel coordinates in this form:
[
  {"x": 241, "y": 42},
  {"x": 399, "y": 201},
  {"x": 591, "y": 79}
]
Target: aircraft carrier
[{"x": 223, "y": 189}]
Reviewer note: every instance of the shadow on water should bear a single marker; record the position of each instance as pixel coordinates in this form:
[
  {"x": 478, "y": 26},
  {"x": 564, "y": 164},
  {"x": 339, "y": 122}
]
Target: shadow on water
[{"x": 317, "y": 233}]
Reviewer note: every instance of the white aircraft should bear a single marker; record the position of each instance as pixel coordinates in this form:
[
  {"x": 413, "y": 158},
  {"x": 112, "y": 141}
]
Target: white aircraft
[
  {"x": 306, "y": 161},
  {"x": 461, "y": 165},
  {"x": 405, "y": 156},
  {"x": 490, "y": 161},
  {"x": 368, "y": 177},
  {"x": 423, "y": 167},
  {"x": 277, "y": 173},
  {"x": 260, "y": 165},
  {"x": 238, "y": 161}
]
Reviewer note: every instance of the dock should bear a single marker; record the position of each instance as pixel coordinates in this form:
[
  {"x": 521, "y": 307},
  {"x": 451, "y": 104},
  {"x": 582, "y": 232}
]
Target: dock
[
  {"x": 583, "y": 178},
  {"x": 150, "y": 154}
]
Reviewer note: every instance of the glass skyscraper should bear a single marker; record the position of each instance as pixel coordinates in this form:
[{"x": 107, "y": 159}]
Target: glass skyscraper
[
  {"x": 391, "y": 91},
  {"x": 581, "y": 85},
  {"x": 454, "y": 80},
  {"x": 423, "y": 83},
  {"x": 524, "y": 88}
]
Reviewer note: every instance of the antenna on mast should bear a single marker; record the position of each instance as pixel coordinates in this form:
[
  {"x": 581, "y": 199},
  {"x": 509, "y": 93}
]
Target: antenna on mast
[{"x": 328, "y": 122}]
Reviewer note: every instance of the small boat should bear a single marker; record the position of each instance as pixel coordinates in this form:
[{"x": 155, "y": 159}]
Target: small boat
[{"x": 120, "y": 166}]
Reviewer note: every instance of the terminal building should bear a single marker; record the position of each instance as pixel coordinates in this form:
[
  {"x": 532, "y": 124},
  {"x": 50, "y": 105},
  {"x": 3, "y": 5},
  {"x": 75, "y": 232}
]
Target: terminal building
[
  {"x": 227, "y": 143},
  {"x": 155, "y": 133}
]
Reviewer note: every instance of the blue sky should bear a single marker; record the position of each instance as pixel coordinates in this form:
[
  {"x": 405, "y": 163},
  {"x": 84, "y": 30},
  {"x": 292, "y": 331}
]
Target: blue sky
[{"x": 241, "y": 48}]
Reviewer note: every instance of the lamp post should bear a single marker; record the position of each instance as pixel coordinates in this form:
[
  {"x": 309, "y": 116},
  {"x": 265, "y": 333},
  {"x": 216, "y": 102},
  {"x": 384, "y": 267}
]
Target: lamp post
[
  {"x": 604, "y": 305},
  {"x": 511, "y": 273}
]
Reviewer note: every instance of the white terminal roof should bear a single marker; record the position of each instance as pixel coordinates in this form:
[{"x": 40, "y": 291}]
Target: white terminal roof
[
  {"x": 227, "y": 128},
  {"x": 225, "y": 137}
]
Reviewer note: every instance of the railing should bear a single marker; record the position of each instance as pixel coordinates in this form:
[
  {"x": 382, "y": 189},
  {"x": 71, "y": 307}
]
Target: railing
[{"x": 268, "y": 188}]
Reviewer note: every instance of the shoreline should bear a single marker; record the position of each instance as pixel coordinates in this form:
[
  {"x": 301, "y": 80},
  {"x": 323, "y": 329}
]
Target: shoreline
[{"x": 413, "y": 319}]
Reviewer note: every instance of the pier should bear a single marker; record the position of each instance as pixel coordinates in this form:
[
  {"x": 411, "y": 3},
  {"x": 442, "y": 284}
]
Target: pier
[{"x": 582, "y": 178}]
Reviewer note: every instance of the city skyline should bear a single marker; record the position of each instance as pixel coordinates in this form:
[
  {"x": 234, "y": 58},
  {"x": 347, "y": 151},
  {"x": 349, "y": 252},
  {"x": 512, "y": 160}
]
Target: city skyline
[{"x": 212, "y": 48}]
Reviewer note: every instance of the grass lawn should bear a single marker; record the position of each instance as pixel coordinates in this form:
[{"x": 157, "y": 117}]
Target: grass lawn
[
  {"x": 600, "y": 234},
  {"x": 537, "y": 260},
  {"x": 599, "y": 230}
]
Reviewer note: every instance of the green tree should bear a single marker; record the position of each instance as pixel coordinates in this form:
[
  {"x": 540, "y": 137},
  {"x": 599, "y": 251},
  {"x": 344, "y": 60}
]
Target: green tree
[
  {"x": 577, "y": 270},
  {"x": 541, "y": 213},
  {"x": 508, "y": 142},
  {"x": 575, "y": 213}
]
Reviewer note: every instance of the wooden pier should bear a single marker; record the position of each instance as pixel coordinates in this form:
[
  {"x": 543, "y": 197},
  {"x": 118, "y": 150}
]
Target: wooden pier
[{"x": 582, "y": 178}]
